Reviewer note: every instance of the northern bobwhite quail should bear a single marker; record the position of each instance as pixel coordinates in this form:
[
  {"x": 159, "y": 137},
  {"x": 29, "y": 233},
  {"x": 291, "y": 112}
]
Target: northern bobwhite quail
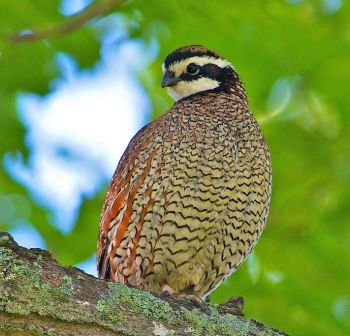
[{"x": 191, "y": 193}]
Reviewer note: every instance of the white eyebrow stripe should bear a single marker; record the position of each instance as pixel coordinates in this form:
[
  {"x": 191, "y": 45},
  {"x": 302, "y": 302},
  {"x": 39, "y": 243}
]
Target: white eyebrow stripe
[
  {"x": 163, "y": 67},
  {"x": 202, "y": 60}
]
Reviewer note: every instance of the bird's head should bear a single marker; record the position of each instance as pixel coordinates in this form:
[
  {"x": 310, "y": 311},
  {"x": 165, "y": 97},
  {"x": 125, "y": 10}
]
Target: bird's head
[{"x": 194, "y": 69}]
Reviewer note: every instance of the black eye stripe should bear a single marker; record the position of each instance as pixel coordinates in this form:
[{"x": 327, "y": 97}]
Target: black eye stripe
[
  {"x": 188, "y": 77},
  {"x": 211, "y": 71}
]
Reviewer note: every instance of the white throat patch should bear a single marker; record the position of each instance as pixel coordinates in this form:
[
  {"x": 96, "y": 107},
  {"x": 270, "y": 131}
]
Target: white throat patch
[{"x": 184, "y": 89}]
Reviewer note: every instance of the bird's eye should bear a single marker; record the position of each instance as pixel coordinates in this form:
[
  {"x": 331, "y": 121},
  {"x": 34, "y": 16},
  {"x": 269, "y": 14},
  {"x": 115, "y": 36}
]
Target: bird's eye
[{"x": 192, "y": 69}]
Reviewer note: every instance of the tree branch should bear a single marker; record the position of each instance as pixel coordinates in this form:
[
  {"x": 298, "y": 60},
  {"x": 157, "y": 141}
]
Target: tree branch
[
  {"x": 38, "y": 296},
  {"x": 71, "y": 24}
]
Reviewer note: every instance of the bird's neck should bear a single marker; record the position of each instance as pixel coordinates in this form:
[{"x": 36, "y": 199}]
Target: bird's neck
[{"x": 233, "y": 100}]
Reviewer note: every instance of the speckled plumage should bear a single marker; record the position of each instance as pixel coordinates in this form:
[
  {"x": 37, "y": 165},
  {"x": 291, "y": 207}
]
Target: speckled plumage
[{"x": 189, "y": 198}]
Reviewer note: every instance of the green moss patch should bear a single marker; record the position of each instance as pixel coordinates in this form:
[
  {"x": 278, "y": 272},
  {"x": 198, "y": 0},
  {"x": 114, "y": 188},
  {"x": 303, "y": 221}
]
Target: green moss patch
[
  {"x": 17, "y": 279},
  {"x": 123, "y": 299}
]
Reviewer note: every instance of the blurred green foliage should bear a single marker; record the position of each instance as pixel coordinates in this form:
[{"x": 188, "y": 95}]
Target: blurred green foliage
[{"x": 294, "y": 57}]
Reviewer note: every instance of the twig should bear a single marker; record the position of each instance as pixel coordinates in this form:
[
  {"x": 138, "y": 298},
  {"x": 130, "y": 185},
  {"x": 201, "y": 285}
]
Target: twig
[{"x": 73, "y": 23}]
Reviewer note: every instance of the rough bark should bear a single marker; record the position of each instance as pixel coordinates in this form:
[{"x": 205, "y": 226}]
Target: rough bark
[{"x": 38, "y": 296}]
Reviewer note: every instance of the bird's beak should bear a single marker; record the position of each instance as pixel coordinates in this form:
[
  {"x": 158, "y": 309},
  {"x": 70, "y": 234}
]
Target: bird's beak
[{"x": 169, "y": 79}]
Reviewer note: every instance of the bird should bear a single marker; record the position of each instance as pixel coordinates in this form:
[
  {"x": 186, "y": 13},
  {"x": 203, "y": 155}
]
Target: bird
[{"x": 191, "y": 194}]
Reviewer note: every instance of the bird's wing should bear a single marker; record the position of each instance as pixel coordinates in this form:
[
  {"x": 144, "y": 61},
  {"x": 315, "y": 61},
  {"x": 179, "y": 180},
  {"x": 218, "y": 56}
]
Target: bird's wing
[{"x": 118, "y": 203}]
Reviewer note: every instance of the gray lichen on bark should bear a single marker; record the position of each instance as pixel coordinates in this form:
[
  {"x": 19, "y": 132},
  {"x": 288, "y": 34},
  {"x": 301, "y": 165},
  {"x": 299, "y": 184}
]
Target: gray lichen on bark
[{"x": 38, "y": 296}]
